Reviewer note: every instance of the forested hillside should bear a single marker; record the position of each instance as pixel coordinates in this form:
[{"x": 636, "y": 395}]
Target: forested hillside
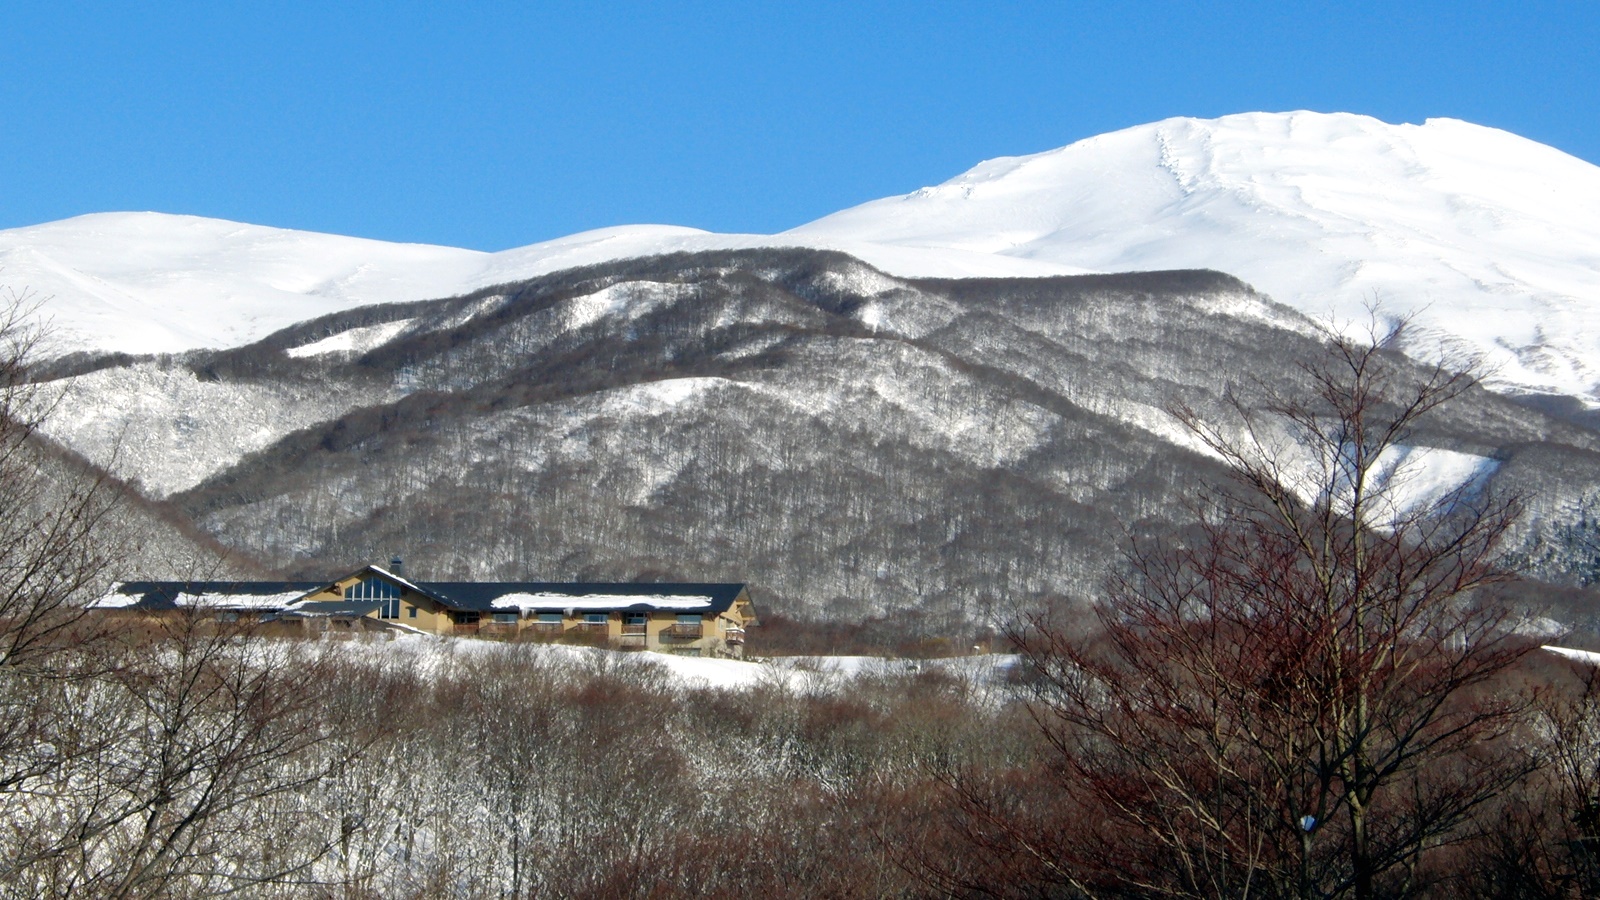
[{"x": 847, "y": 442}]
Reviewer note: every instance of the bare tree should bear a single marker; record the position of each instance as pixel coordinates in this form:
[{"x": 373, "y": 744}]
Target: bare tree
[
  {"x": 137, "y": 761},
  {"x": 1302, "y": 697},
  {"x": 53, "y": 549}
]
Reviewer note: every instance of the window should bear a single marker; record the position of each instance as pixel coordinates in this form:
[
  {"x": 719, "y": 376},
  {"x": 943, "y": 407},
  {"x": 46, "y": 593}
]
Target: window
[
  {"x": 595, "y": 618},
  {"x": 467, "y": 618},
  {"x": 687, "y": 627},
  {"x": 372, "y": 588},
  {"x": 411, "y": 612},
  {"x": 635, "y": 618},
  {"x": 549, "y": 618},
  {"x": 380, "y": 589},
  {"x": 505, "y": 618}
]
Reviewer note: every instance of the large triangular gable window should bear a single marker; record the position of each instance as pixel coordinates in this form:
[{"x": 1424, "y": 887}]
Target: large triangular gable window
[{"x": 375, "y": 588}]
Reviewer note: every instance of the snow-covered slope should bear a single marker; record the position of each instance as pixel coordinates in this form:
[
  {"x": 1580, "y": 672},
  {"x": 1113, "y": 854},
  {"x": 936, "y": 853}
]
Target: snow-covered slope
[
  {"x": 850, "y": 442},
  {"x": 1493, "y": 240},
  {"x": 157, "y": 283},
  {"x": 154, "y": 283}
]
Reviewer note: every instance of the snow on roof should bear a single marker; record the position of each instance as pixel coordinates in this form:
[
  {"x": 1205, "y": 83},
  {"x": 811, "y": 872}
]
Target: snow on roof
[
  {"x": 118, "y": 598},
  {"x": 1583, "y": 656},
  {"x": 550, "y": 601},
  {"x": 115, "y": 598},
  {"x": 398, "y": 580},
  {"x": 332, "y": 608},
  {"x": 238, "y": 601}
]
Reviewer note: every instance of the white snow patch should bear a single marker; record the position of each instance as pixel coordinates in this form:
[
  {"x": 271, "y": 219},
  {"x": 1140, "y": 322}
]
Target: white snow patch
[
  {"x": 908, "y": 315},
  {"x": 114, "y": 599},
  {"x": 859, "y": 280},
  {"x": 625, "y": 301},
  {"x": 1409, "y": 479},
  {"x": 864, "y": 665},
  {"x": 210, "y": 600},
  {"x": 723, "y": 674},
  {"x": 1163, "y": 425},
  {"x": 1400, "y": 482},
  {"x": 551, "y": 602},
  {"x": 355, "y": 340},
  {"x": 1584, "y": 656},
  {"x": 808, "y": 674},
  {"x": 238, "y": 601},
  {"x": 660, "y": 396}
]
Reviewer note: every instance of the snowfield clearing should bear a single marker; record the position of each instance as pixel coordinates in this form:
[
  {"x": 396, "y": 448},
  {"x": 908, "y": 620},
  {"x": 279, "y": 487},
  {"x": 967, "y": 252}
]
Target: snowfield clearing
[{"x": 803, "y": 674}]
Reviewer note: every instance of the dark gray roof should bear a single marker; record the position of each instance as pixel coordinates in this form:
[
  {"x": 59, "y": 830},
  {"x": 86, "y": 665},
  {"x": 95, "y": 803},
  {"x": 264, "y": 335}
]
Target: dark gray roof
[
  {"x": 481, "y": 595},
  {"x": 335, "y": 608},
  {"x": 478, "y": 596}
]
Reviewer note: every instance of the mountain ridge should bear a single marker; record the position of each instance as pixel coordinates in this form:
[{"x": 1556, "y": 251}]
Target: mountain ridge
[
  {"x": 1492, "y": 240},
  {"x": 849, "y": 442}
]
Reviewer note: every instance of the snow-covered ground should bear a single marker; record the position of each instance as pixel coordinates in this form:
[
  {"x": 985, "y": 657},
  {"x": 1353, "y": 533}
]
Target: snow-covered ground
[
  {"x": 807, "y": 674},
  {"x": 1493, "y": 240}
]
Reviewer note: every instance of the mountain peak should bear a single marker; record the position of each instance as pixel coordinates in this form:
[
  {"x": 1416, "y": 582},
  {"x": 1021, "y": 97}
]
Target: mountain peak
[{"x": 1492, "y": 240}]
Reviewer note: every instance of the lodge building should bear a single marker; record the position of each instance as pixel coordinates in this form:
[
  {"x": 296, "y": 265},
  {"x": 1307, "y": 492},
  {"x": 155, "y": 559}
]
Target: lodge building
[{"x": 694, "y": 619}]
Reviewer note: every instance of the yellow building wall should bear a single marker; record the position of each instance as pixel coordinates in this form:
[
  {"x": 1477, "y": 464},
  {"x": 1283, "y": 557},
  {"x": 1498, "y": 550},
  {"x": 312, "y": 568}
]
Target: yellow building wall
[{"x": 430, "y": 616}]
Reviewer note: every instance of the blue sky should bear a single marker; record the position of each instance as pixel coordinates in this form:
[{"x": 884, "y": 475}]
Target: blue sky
[{"x": 494, "y": 125}]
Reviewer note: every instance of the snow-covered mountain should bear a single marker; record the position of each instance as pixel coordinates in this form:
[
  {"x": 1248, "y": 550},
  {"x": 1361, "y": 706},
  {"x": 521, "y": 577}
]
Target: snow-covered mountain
[
  {"x": 848, "y": 442},
  {"x": 157, "y": 283},
  {"x": 662, "y": 402},
  {"x": 1493, "y": 240}
]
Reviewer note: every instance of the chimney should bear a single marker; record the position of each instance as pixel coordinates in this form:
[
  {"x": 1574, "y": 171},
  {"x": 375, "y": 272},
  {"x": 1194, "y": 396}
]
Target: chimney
[{"x": 398, "y": 566}]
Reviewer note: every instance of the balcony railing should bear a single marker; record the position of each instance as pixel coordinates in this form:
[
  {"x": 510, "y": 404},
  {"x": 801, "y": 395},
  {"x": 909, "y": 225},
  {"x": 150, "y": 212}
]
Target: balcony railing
[
  {"x": 683, "y": 632},
  {"x": 734, "y": 635},
  {"x": 629, "y": 628}
]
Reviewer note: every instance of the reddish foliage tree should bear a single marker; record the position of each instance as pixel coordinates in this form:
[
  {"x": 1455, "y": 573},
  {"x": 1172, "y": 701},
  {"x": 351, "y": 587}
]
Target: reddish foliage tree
[{"x": 1301, "y": 697}]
